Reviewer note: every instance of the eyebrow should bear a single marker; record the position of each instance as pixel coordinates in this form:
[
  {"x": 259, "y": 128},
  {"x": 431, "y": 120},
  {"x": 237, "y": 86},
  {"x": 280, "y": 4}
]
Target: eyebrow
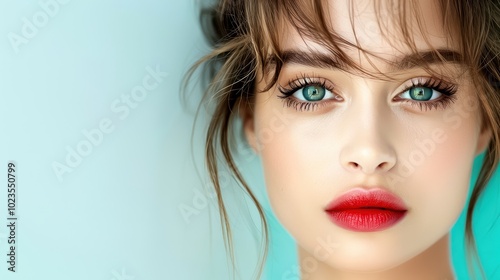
[{"x": 409, "y": 61}]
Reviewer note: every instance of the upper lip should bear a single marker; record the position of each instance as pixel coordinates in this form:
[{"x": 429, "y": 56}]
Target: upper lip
[{"x": 367, "y": 198}]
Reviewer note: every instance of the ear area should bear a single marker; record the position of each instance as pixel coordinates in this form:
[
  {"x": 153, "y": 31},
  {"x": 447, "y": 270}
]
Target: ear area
[{"x": 246, "y": 114}]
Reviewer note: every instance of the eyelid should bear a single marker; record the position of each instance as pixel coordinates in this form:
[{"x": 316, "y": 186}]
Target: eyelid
[
  {"x": 302, "y": 80},
  {"x": 434, "y": 83}
]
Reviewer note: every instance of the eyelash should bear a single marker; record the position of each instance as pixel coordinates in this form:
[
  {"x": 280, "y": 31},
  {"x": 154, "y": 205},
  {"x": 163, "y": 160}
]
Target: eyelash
[
  {"x": 298, "y": 83},
  {"x": 447, "y": 91}
]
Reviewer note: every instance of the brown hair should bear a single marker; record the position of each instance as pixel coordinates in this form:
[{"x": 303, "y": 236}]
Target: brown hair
[{"x": 245, "y": 36}]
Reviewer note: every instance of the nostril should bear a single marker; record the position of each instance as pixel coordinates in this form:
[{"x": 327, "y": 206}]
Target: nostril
[
  {"x": 367, "y": 160},
  {"x": 356, "y": 166},
  {"x": 383, "y": 165}
]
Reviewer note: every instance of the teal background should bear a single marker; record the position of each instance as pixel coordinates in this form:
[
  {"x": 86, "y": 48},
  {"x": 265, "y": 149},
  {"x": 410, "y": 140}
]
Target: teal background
[
  {"x": 486, "y": 229},
  {"x": 137, "y": 206}
]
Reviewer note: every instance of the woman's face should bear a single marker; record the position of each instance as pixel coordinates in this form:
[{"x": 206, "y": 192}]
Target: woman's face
[{"x": 414, "y": 136}]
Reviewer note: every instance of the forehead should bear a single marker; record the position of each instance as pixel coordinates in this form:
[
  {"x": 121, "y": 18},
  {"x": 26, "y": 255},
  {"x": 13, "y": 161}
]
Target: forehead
[{"x": 384, "y": 28}]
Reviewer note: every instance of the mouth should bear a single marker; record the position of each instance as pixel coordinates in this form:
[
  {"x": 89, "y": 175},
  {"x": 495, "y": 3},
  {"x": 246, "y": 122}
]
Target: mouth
[{"x": 366, "y": 210}]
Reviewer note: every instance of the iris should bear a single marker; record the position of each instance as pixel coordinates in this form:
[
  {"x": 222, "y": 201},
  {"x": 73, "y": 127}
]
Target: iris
[
  {"x": 313, "y": 92},
  {"x": 420, "y": 93}
]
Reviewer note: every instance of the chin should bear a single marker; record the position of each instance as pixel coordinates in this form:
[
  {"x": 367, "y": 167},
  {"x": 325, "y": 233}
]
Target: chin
[{"x": 369, "y": 262}]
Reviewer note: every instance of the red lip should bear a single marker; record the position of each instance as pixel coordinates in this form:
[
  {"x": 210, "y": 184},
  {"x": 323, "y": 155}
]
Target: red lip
[{"x": 366, "y": 210}]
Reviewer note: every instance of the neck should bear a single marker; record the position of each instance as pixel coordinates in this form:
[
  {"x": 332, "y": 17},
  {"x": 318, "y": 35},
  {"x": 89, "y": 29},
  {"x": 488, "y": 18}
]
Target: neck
[{"x": 433, "y": 263}]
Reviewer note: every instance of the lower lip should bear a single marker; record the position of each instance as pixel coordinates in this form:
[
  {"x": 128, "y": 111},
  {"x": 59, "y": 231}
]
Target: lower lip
[{"x": 366, "y": 219}]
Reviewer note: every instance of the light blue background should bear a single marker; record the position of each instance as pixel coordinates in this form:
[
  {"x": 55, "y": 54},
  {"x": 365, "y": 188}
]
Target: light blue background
[
  {"x": 116, "y": 215},
  {"x": 135, "y": 207}
]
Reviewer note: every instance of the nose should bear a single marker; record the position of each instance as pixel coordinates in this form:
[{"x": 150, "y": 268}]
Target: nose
[
  {"x": 368, "y": 147},
  {"x": 367, "y": 157}
]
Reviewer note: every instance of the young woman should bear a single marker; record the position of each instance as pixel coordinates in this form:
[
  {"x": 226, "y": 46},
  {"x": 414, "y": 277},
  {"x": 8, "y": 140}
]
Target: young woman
[{"x": 367, "y": 116}]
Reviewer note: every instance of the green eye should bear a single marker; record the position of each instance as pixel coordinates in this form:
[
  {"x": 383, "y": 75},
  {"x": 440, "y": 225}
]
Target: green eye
[
  {"x": 313, "y": 93},
  {"x": 420, "y": 93}
]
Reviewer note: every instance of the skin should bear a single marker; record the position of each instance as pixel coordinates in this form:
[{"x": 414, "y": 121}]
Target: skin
[{"x": 364, "y": 138}]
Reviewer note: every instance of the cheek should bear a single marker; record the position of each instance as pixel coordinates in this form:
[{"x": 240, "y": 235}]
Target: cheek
[
  {"x": 291, "y": 164},
  {"x": 438, "y": 186},
  {"x": 440, "y": 183}
]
